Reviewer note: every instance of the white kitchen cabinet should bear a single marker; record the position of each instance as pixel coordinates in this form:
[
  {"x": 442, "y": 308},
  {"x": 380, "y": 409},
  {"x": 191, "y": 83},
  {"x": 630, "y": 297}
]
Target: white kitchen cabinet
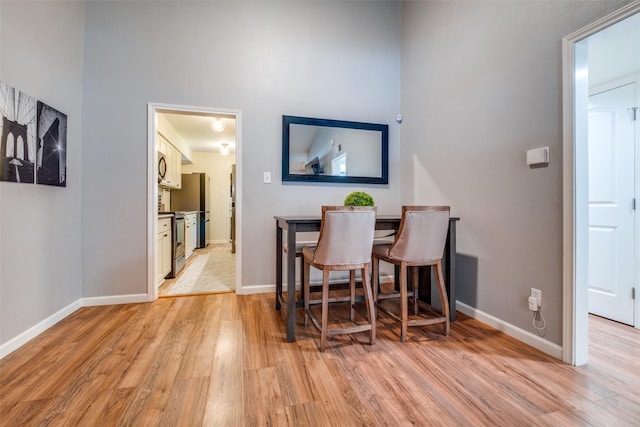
[
  {"x": 163, "y": 249},
  {"x": 173, "y": 176},
  {"x": 190, "y": 233}
]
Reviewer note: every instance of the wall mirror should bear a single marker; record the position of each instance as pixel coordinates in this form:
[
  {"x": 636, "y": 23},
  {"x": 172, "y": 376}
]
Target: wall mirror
[{"x": 322, "y": 150}]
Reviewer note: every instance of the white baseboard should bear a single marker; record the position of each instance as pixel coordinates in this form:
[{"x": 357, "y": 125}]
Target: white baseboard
[
  {"x": 113, "y": 300},
  {"x": 527, "y": 337},
  {"x": 26, "y": 336},
  {"x": 257, "y": 289},
  {"x": 21, "y": 339}
]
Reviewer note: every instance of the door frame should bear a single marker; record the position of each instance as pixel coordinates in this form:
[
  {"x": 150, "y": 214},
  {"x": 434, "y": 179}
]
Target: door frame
[
  {"x": 152, "y": 188},
  {"x": 575, "y": 93}
]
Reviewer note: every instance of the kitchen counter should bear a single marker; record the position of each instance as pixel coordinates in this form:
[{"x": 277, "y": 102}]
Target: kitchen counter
[{"x": 162, "y": 215}]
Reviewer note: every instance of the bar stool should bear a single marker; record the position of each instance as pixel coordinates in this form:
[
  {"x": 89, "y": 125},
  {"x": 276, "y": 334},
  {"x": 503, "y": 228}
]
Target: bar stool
[
  {"x": 420, "y": 241},
  {"x": 345, "y": 243},
  {"x": 299, "y": 246}
]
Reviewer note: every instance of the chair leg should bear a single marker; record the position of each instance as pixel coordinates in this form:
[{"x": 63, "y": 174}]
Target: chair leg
[
  {"x": 368, "y": 298},
  {"x": 444, "y": 300},
  {"x": 352, "y": 290},
  {"x": 374, "y": 278},
  {"x": 325, "y": 309},
  {"x": 305, "y": 292},
  {"x": 302, "y": 277},
  {"x": 414, "y": 284},
  {"x": 404, "y": 315}
]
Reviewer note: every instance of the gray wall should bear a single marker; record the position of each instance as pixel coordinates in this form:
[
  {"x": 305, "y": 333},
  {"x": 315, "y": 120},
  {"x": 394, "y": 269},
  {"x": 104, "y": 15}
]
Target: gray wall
[
  {"x": 321, "y": 59},
  {"x": 481, "y": 84},
  {"x": 40, "y": 253}
]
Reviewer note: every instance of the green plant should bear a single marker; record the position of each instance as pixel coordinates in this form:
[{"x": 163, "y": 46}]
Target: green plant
[{"x": 358, "y": 198}]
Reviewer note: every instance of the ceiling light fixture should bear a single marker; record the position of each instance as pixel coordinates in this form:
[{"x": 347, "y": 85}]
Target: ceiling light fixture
[
  {"x": 224, "y": 150},
  {"x": 217, "y": 125}
]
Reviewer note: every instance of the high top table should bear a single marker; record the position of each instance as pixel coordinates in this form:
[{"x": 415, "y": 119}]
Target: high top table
[{"x": 298, "y": 224}]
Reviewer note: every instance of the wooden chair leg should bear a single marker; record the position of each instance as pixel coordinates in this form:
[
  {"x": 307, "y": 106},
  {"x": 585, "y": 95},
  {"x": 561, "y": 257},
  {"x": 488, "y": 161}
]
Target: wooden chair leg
[
  {"x": 374, "y": 278},
  {"x": 444, "y": 300},
  {"x": 368, "y": 298},
  {"x": 302, "y": 277},
  {"x": 414, "y": 285},
  {"x": 404, "y": 315},
  {"x": 325, "y": 309},
  {"x": 306, "y": 289},
  {"x": 352, "y": 290}
]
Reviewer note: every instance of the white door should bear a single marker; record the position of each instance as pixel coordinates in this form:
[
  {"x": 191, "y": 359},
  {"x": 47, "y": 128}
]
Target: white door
[{"x": 611, "y": 203}]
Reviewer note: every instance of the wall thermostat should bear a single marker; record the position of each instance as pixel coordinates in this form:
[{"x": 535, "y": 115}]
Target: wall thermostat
[{"x": 538, "y": 157}]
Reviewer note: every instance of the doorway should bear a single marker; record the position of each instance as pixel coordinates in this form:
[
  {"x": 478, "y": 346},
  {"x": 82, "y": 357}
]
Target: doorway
[
  {"x": 576, "y": 75},
  {"x": 611, "y": 189},
  {"x": 206, "y": 151}
]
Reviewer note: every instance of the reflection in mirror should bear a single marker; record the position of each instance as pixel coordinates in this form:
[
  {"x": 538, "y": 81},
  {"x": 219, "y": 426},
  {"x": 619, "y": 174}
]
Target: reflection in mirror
[{"x": 334, "y": 151}]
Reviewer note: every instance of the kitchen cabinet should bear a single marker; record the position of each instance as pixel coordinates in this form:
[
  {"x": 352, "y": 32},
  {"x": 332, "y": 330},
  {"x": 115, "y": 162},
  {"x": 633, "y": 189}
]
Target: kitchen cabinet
[
  {"x": 163, "y": 249},
  {"x": 173, "y": 176},
  {"x": 190, "y": 233}
]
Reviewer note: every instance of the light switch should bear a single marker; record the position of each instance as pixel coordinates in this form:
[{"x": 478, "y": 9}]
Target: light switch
[
  {"x": 267, "y": 177},
  {"x": 538, "y": 157}
]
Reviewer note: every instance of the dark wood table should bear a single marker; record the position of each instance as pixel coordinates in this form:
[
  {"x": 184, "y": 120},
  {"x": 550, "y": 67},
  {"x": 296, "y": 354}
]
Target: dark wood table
[{"x": 298, "y": 224}]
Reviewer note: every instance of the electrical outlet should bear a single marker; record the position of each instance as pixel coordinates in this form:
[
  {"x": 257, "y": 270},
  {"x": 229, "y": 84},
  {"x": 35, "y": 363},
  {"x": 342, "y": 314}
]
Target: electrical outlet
[{"x": 537, "y": 293}]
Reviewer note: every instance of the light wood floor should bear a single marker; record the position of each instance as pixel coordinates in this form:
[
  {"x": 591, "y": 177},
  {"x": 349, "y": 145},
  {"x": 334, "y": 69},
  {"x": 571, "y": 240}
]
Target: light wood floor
[{"x": 222, "y": 360}]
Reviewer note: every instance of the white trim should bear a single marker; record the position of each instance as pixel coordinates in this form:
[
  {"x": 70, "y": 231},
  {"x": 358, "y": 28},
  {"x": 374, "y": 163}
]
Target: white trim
[
  {"x": 114, "y": 300},
  {"x": 152, "y": 211},
  {"x": 26, "y": 336},
  {"x": 260, "y": 289},
  {"x": 526, "y": 337},
  {"x": 152, "y": 203},
  {"x": 574, "y": 330}
]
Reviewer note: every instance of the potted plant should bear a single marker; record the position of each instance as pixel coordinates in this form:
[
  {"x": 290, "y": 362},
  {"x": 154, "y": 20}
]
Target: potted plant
[{"x": 358, "y": 198}]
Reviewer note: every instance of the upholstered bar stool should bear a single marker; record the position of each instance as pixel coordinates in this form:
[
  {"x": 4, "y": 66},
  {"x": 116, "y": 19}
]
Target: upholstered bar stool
[
  {"x": 420, "y": 241},
  {"x": 299, "y": 246},
  {"x": 345, "y": 243}
]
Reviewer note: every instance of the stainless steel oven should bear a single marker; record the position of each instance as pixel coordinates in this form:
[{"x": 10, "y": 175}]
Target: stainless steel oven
[{"x": 178, "y": 244}]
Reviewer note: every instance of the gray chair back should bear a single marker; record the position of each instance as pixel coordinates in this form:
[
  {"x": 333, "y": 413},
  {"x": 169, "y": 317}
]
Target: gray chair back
[
  {"x": 346, "y": 235},
  {"x": 422, "y": 234}
]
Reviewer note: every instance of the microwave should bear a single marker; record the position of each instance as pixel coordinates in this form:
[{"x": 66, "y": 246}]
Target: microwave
[{"x": 162, "y": 166}]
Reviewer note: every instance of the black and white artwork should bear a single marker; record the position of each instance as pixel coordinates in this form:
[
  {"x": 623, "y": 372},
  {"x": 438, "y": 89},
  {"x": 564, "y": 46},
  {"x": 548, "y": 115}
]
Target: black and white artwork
[
  {"x": 18, "y": 135},
  {"x": 52, "y": 146}
]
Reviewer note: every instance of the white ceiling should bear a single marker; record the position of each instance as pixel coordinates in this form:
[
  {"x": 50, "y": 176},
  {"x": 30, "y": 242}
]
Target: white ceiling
[
  {"x": 615, "y": 51},
  {"x": 195, "y": 129}
]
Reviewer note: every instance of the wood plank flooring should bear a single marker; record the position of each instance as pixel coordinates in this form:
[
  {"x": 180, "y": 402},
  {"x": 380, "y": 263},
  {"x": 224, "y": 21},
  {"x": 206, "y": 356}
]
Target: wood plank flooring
[{"x": 223, "y": 360}]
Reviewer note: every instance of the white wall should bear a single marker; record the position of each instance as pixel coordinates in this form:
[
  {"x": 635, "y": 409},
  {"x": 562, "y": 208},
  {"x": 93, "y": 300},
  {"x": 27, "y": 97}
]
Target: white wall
[
  {"x": 218, "y": 167},
  {"x": 320, "y": 59},
  {"x": 40, "y": 245},
  {"x": 481, "y": 84}
]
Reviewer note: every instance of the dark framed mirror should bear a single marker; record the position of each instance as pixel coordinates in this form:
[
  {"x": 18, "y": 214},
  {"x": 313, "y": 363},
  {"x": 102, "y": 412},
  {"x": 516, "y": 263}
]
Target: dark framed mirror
[{"x": 323, "y": 150}]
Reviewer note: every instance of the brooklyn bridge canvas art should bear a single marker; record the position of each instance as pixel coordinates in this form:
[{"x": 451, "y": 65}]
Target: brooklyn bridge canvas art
[
  {"x": 33, "y": 140},
  {"x": 18, "y": 140}
]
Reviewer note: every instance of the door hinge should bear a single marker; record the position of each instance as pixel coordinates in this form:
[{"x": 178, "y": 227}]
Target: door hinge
[
  {"x": 633, "y": 293},
  {"x": 633, "y": 204},
  {"x": 635, "y": 112}
]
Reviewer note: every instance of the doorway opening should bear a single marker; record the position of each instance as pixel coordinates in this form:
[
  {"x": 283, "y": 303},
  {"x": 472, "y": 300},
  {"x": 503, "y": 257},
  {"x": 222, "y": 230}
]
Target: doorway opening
[
  {"x": 200, "y": 151},
  {"x": 576, "y": 189}
]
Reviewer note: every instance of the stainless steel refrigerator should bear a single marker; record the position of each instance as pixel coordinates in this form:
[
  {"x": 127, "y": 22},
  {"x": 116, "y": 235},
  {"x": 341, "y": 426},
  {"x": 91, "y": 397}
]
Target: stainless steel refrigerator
[{"x": 194, "y": 196}]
